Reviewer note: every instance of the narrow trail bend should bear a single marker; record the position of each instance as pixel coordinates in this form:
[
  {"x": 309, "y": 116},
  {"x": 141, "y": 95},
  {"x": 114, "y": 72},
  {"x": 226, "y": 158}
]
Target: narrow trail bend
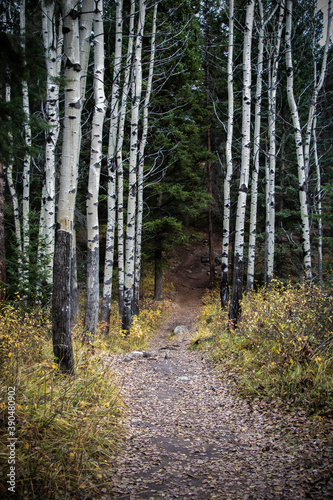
[{"x": 186, "y": 434}]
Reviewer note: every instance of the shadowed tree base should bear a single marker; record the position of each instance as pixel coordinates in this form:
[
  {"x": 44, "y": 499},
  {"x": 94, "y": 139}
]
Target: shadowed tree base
[{"x": 61, "y": 302}]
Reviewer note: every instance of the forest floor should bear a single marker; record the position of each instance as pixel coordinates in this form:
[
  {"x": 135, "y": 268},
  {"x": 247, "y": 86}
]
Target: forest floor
[{"x": 188, "y": 436}]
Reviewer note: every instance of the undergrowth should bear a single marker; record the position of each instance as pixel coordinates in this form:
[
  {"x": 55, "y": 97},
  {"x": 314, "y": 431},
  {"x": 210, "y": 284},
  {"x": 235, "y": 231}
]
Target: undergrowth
[
  {"x": 282, "y": 347},
  {"x": 66, "y": 428}
]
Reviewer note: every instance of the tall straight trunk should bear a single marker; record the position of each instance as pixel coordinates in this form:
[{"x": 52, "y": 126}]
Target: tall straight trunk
[
  {"x": 2, "y": 237},
  {"x": 256, "y": 155},
  {"x": 111, "y": 164},
  {"x": 302, "y": 179},
  {"x": 237, "y": 286},
  {"x": 227, "y": 180},
  {"x": 272, "y": 89},
  {"x": 53, "y": 49},
  {"x": 132, "y": 179},
  {"x": 119, "y": 160},
  {"x": 209, "y": 163},
  {"x": 62, "y": 270},
  {"x": 13, "y": 192},
  {"x": 92, "y": 304},
  {"x": 27, "y": 155},
  {"x": 141, "y": 159},
  {"x": 318, "y": 204}
]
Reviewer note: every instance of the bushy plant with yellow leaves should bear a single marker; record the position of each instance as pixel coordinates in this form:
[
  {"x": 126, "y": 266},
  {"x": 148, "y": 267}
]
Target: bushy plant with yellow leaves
[
  {"x": 282, "y": 346},
  {"x": 66, "y": 428}
]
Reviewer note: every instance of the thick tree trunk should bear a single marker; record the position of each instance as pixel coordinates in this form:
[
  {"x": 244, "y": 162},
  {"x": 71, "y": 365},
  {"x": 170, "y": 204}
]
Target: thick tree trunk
[
  {"x": 227, "y": 180},
  {"x": 237, "y": 287},
  {"x": 62, "y": 270},
  {"x": 53, "y": 49}
]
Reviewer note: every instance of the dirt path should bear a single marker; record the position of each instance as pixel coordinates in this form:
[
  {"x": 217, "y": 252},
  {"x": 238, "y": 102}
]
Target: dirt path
[{"x": 186, "y": 435}]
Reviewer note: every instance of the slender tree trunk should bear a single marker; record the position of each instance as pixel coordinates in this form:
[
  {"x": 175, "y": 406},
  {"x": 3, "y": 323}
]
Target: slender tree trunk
[
  {"x": 158, "y": 288},
  {"x": 111, "y": 162},
  {"x": 2, "y": 238},
  {"x": 27, "y": 155},
  {"x": 302, "y": 179},
  {"x": 62, "y": 270},
  {"x": 119, "y": 159},
  {"x": 132, "y": 181},
  {"x": 237, "y": 286},
  {"x": 92, "y": 305},
  {"x": 256, "y": 154},
  {"x": 272, "y": 89},
  {"x": 227, "y": 180},
  {"x": 318, "y": 205},
  {"x": 141, "y": 158}
]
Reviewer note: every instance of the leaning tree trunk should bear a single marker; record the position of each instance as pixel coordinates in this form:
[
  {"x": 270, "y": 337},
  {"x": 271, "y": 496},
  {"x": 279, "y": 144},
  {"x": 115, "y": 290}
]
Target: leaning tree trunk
[
  {"x": 141, "y": 158},
  {"x": 237, "y": 286},
  {"x": 92, "y": 305},
  {"x": 227, "y": 180},
  {"x": 132, "y": 180},
  {"x": 302, "y": 179},
  {"x": 112, "y": 171},
  {"x": 61, "y": 304}
]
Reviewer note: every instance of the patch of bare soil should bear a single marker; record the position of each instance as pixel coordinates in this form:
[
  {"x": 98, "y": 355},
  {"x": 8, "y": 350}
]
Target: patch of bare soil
[{"x": 186, "y": 434}]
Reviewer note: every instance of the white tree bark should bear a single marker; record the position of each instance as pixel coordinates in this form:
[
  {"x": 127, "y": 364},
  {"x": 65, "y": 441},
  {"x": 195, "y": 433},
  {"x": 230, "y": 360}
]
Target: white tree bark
[
  {"x": 111, "y": 163},
  {"x": 92, "y": 305},
  {"x": 274, "y": 54},
  {"x": 237, "y": 288},
  {"x": 302, "y": 179},
  {"x": 256, "y": 153},
  {"x": 119, "y": 159},
  {"x": 227, "y": 180},
  {"x": 61, "y": 306},
  {"x": 318, "y": 204},
  {"x": 141, "y": 159},
  {"x": 27, "y": 155},
  {"x": 53, "y": 48},
  {"x": 132, "y": 180}
]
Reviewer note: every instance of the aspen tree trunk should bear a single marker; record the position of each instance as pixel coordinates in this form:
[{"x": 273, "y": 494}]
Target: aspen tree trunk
[
  {"x": 318, "y": 205},
  {"x": 2, "y": 237},
  {"x": 62, "y": 270},
  {"x": 302, "y": 179},
  {"x": 256, "y": 153},
  {"x": 227, "y": 180},
  {"x": 92, "y": 305},
  {"x": 141, "y": 159},
  {"x": 27, "y": 155},
  {"x": 119, "y": 159},
  {"x": 237, "y": 286},
  {"x": 13, "y": 193},
  {"x": 53, "y": 49},
  {"x": 112, "y": 169},
  {"x": 317, "y": 88},
  {"x": 272, "y": 89},
  {"x": 132, "y": 180}
]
